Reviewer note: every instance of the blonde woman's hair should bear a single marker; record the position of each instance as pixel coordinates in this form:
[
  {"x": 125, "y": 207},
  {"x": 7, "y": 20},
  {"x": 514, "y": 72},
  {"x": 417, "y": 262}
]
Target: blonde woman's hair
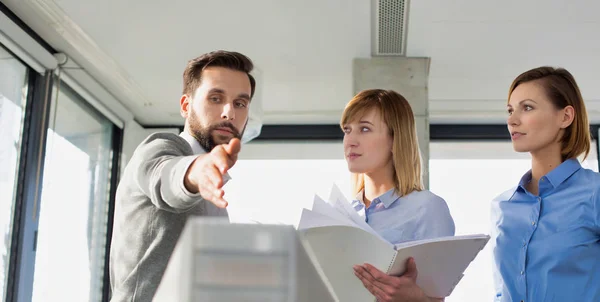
[{"x": 398, "y": 116}]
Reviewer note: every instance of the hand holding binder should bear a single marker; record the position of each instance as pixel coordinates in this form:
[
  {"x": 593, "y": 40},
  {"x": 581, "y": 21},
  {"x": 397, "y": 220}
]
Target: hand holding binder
[
  {"x": 391, "y": 288},
  {"x": 337, "y": 244}
]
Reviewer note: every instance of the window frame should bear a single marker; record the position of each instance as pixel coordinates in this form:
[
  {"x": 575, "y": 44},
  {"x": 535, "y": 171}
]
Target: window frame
[{"x": 29, "y": 180}]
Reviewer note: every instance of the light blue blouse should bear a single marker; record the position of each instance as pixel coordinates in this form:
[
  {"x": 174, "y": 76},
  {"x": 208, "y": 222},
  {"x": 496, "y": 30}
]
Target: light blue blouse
[
  {"x": 547, "y": 246},
  {"x": 418, "y": 215}
]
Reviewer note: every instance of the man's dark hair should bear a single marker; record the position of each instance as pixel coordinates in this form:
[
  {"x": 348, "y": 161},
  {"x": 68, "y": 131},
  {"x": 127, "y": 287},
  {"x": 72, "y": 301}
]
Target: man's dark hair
[{"x": 192, "y": 75}]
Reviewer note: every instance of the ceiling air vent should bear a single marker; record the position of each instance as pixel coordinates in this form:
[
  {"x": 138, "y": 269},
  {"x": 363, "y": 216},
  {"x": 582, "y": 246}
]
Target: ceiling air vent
[{"x": 390, "y": 19}]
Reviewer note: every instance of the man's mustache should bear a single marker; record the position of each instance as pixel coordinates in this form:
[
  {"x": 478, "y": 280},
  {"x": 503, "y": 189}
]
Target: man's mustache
[{"x": 228, "y": 126}]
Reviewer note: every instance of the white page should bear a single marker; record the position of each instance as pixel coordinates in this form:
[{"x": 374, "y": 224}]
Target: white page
[
  {"x": 337, "y": 249},
  {"x": 341, "y": 204},
  {"x": 441, "y": 262},
  {"x": 437, "y": 239},
  {"x": 310, "y": 219},
  {"x": 322, "y": 207}
]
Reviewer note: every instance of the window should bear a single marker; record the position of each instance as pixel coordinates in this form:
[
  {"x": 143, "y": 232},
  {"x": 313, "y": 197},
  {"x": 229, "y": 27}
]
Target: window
[
  {"x": 468, "y": 175},
  {"x": 70, "y": 256},
  {"x": 267, "y": 190},
  {"x": 13, "y": 87}
]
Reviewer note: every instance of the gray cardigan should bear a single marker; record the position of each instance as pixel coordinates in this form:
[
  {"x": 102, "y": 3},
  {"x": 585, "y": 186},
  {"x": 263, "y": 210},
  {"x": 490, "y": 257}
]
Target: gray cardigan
[{"x": 151, "y": 208}]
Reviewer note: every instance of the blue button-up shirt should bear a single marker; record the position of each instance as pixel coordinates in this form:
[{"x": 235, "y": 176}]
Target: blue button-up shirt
[
  {"x": 547, "y": 247},
  {"x": 418, "y": 215}
]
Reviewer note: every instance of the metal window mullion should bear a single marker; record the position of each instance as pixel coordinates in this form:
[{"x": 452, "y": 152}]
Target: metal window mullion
[
  {"x": 29, "y": 188},
  {"x": 117, "y": 147}
]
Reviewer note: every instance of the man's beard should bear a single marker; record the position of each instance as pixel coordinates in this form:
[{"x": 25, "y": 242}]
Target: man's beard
[{"x": 204, "y": 134}]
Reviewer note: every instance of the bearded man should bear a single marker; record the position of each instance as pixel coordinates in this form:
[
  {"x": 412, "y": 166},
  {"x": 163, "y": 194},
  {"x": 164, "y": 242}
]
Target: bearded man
[{"x": 170, "y": 177}]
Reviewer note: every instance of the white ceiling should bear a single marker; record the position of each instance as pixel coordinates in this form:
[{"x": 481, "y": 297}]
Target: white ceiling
[
  {"x": 479, "y": 47},
  {"x": 303, "y": 50}
]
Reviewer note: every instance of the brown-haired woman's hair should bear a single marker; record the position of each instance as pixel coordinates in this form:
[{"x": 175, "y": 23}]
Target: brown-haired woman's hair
[
  {"x": 562, "y": 90},
  {"x": 192, "y": 75},
  {"x": 398, "y": 116}
]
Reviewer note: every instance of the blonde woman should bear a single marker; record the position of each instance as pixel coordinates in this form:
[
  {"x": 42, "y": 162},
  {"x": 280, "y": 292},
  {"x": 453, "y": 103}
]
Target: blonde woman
[{"x": 382, "y": 152}]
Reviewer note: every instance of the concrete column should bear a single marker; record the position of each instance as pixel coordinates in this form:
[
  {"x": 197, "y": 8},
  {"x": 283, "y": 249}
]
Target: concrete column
[{"x": 407, "y": 76}]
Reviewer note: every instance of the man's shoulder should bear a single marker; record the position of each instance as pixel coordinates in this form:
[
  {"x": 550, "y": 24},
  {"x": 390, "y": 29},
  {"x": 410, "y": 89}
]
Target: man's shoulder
[
  {"x": 159, "y": 142},
  {"x": 166, "y": 139}
]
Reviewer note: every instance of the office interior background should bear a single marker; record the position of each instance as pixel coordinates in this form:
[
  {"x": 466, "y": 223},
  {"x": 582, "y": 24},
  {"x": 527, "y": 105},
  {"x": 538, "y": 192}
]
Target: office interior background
[{"x": 83, "y": 83}]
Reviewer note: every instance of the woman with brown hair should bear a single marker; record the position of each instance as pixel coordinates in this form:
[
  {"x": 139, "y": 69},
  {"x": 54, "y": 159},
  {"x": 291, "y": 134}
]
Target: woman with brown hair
[{"x": 546, "y": 231}]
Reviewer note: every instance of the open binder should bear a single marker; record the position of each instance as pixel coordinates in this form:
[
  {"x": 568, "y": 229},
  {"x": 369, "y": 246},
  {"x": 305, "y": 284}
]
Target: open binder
[{"x": 338, "y": 238}]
